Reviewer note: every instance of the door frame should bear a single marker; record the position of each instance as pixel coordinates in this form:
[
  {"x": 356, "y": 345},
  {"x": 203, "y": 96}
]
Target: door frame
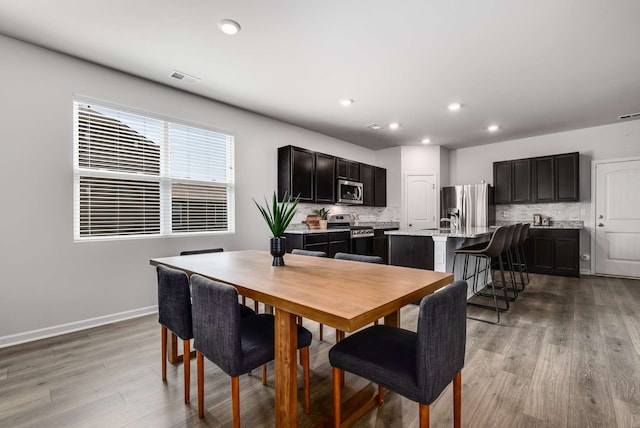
[
  {"x": 593, "y": 221},
  {"x": 405, "y": 196}
]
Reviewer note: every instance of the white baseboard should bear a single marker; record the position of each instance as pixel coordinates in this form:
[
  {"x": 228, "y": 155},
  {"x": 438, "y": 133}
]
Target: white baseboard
[
  {"x": 585, "y": 271},
  {"x": 43, "y": 333}
]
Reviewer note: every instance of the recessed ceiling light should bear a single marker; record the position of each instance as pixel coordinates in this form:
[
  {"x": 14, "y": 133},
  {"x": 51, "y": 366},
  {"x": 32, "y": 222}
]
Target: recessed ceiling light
[
  {"x": 454, "y": 106},
  {"x": 229, "y": 26},
  {"x": 394, "y": 125},
  {"x": 426, "y": 141},
  {"x": 493, "y": 128},
  {"x": 346, "y": 102}
]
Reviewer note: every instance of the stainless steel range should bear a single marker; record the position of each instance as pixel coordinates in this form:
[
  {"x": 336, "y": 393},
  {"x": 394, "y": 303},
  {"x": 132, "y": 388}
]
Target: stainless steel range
[{"x": 361, "y": 236}]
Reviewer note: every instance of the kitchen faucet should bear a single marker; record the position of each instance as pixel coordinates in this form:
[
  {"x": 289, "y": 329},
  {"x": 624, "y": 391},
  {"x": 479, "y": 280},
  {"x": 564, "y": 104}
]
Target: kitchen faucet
[{"x": 452, "y": 220}]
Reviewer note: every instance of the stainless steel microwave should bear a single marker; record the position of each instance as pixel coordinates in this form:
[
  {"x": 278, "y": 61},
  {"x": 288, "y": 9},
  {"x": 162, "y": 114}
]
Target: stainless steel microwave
[{"x": 349, "y": 192}]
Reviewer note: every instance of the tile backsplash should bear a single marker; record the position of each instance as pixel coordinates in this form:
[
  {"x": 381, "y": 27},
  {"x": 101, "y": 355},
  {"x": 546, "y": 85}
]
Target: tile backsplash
[
  {"x": 558, "y": 211},
  {"x": 366, "y": 214}
]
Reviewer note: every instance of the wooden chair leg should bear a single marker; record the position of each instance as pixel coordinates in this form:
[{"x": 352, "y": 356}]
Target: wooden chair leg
[
  {"x": 264, "y": 374},
  {"x": 321, "y": 330},
  {"x": 424, "y": 416},
  {"x": 200, "y": 370},
  {"x": 244, "y": 300},
  {"x": 255, "y": 306},
  {"x": 235, "y": 400},
  {"x": 163, "y": 331},
  {"x": 380, "y": 395},
  {"x": 457, "y": 400},
  {"x": 304, "y": 356},
  {"x": 186, "y": 362},
  {"x": 337, "y": 376}
]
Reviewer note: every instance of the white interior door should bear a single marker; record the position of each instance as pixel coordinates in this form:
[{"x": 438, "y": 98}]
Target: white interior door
[
  {"x": 617, "y": 231},
  {"x": 422, "y": 202}
]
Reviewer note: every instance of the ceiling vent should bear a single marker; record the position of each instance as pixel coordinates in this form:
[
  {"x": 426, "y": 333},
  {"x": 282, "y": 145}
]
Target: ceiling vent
[
  {"x": 184, "y": 77},
  {"x": 629, "y": 116},
  {"x": 374, "y": 126}
]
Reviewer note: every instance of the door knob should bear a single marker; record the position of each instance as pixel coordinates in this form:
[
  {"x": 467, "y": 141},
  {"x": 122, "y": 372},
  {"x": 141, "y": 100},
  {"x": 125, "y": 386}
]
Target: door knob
[
  {"x": 410, "y": 224},
  {"x": 600, "y": 216},
  {"x": 600, "y": 225}
]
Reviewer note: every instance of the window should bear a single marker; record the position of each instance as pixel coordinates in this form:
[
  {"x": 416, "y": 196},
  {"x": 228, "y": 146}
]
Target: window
[{"x": 136, "y": 175}]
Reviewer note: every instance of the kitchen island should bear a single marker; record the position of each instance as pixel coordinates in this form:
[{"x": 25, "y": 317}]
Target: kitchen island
[{"x": 433, "y": 249}]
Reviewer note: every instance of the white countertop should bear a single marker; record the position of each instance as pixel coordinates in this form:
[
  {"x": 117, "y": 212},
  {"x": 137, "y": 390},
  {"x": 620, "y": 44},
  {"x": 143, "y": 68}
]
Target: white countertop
[{"x": 471, "y": 232}]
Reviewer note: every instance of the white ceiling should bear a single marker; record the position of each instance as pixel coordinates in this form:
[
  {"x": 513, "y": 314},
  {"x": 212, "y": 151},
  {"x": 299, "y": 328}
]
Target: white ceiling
[{"x": 532, "y": 66}]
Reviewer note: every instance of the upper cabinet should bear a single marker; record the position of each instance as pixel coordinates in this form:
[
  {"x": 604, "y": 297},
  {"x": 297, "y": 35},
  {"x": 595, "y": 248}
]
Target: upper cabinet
[
  {"x": 348, "y": 170},
  {"x": 313, "y": 176},
  {"x": 325, "y": 179},
  {"x": 367, "y": 177},
  {"x": 296, "y": 173},
  {"x": 380, "y": 179},
  {"x": 567, "y": 176},
  {"x": 536, "y": 180}
]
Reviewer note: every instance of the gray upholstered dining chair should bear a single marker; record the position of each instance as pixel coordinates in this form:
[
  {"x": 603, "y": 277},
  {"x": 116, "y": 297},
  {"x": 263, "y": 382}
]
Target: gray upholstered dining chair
[
  {"x": 235, "y": 344},
  {"x": 359, "y": 258},
  {"x": 216, "y": 250},
  {"x": 174, "y": 314},
  {"x": 418, "y": 366},
  {"x": 311, "y": 253}
]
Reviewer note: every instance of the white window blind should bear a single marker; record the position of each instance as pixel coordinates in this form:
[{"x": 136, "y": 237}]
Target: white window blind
[{"x": 136, "y": 175}]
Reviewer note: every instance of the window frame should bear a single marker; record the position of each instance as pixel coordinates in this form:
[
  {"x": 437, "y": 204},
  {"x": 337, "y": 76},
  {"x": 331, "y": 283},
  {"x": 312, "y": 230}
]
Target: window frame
[{"x": 164, "y": 179}]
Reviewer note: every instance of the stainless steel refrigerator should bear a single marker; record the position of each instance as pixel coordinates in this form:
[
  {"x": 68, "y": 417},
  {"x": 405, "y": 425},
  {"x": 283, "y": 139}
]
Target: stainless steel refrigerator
[{"x": 473, "y": 204}]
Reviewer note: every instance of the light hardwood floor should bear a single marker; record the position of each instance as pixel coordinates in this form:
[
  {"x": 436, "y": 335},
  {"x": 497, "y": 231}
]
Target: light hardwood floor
[{"x": 567, "y": 354}]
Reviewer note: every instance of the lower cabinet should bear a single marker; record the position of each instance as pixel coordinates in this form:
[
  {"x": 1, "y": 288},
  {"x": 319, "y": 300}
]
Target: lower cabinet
[
  {"x": 329, "y": 242},
  {"x": 381, "y": 244},
  {"x": 553, "y": 251},
  {"x": 411, "y": 251}
]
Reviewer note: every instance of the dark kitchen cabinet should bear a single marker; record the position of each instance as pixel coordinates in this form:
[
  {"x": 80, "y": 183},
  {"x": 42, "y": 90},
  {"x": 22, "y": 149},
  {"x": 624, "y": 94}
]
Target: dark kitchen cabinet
[
  {"x": 329, "y": 242},
  {"x": 381, "y": 243},
  {"x": 367, "y": 177},
  {"x": 502, "y": 181},
  {"x": 325, "y": 178},
  {"x": 348, "y": 170},
  {"x": 296, "y": 173},
  {"x": 567, "y": 177},
  {"x": 541, "y": 179},
  {"x": 411, "y": 251},
  {"x": 521, "y": 181},
  {"x": 553, "y": 251},
  {"x": 380, "y": 191}
]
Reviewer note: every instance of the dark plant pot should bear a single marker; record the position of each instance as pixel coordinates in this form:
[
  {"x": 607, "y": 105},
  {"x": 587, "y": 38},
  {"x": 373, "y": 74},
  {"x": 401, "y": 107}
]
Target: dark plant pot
[{"x": 278, "y": 248}]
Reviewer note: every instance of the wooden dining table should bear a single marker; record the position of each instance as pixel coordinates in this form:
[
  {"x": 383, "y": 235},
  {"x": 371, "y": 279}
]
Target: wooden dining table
[{"x": 343, "y": 294}]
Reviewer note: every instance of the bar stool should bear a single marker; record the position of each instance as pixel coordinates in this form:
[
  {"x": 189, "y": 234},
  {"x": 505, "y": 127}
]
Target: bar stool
[
  {"x": 513, "y": 257},
  {"x": 508, "y": 243},
  {"x": 483, "y": 266},
  {"x": 522, "y": 261}
]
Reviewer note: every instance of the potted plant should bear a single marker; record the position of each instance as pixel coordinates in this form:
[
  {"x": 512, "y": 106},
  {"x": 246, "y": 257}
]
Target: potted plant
[
  {"x": 278, "y": 215},
  {"x": 323, "y": 213}
]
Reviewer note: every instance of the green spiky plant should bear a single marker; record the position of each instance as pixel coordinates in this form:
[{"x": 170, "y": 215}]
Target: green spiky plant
[
  {"x": 278, "y": 215},
  {"x": 323, "y": 213}
]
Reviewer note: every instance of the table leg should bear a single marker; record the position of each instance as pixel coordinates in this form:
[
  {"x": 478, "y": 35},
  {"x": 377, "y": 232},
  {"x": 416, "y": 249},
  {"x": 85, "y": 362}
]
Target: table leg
[
  {"x": 393, "y": 319},
  {"x": 286, "y": 377}
]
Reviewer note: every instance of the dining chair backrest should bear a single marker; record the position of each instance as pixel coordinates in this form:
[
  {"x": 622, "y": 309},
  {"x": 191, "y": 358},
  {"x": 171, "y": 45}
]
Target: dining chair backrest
[
  {"x": 174, "y": 301},
  {"x": 205, "y": 251},
  {"x": 216, "y": 323},
  {"x": 359, "y": 258},
  {"x": 508, "y": 237},
  {"x": 311, "y": 253},
  {"x": 442, "y": 332}
]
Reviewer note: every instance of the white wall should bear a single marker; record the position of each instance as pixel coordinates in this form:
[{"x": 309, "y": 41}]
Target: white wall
[
  {"x": 622, "y": 140},
  {"x": 47, "y": 279}
]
